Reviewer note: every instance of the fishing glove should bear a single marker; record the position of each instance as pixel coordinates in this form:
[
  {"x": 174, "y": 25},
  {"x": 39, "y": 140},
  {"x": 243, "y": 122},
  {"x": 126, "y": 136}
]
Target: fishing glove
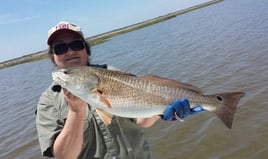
[{"x": 179, "y": 110}]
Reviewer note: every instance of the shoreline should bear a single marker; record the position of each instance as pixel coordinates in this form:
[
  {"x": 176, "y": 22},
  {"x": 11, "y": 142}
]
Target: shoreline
[{"x": 100, "y": 38}]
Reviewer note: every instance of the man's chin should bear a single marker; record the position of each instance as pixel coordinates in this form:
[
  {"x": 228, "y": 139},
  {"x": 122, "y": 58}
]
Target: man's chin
[{"x": 73, "y": 63}]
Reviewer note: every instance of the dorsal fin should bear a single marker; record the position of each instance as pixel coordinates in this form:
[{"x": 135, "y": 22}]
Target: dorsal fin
[
  {"x": 123, "y": 73},
  {"x": 173, "y": 83},
  {"x": 112, "y": 70}
]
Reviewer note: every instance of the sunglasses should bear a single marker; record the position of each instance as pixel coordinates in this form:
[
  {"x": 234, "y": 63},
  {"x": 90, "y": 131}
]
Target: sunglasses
[{"x": 63, "y": 48}]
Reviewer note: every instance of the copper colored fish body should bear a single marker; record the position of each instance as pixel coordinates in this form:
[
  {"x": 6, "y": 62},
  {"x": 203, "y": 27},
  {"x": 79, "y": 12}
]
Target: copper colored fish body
[{"x": 127, "y": 95}]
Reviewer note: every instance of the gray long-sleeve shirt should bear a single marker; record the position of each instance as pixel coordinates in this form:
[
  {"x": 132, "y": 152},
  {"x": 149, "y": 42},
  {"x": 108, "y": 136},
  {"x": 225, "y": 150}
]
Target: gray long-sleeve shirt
[{"x": 123, "y": 138}]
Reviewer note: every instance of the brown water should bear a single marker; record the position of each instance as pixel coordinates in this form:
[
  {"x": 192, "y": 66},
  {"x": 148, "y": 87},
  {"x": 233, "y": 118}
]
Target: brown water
[{"x": 219, "y": 48}]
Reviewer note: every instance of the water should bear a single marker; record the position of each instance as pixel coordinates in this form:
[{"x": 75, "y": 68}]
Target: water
[{"x": 219, "y": 48}]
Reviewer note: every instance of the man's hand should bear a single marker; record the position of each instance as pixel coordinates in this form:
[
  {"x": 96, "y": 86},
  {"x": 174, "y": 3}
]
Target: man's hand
[
  {"x": 76, "y": 104},
  {"x": 179, "y": 110}
]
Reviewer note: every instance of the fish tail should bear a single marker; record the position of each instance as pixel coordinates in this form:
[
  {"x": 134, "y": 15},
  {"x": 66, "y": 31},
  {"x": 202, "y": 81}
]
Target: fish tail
[{"x": 227, "y": 110}]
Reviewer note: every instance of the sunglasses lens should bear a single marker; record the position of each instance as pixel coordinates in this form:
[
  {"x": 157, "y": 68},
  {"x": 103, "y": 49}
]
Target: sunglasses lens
[
  {"x": 63, "y": 48},
  {"x": 77, "y": 45},
  {"x": 60, "y": 48}
]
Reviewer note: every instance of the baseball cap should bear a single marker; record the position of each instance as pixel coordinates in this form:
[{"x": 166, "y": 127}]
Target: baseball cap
[{"x": 63, "y": 27}]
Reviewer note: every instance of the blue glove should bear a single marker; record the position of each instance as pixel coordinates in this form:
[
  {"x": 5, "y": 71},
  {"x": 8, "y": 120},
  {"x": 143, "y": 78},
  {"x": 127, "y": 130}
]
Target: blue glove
[{"x": 179, "y": 110}]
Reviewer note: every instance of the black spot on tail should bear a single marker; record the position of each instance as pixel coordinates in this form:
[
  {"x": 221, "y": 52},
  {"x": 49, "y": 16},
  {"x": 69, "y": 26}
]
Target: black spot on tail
[{"x": 227, "y": 111}]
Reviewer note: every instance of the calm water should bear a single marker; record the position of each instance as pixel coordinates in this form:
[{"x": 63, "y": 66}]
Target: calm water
[{"x": 218, "y": 48}]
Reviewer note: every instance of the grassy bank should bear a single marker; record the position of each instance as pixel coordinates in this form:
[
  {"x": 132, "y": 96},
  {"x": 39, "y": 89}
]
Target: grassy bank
[{"x": 95, "y": 40}]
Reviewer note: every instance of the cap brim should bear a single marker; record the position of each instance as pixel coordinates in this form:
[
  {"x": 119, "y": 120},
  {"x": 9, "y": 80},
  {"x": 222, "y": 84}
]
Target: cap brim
[{"x": 52, "y": 36}]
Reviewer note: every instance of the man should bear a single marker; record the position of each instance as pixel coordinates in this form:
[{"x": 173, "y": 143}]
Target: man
[{"x": 69, "y": 128}]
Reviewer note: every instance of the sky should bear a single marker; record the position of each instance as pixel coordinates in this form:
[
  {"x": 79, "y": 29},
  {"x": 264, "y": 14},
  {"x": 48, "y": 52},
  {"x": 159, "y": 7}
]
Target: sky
[{"x": 24, "y": 23}]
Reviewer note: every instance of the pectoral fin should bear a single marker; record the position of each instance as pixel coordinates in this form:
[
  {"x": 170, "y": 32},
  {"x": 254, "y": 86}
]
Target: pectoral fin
[
  {"x": 105, "y": 117},
  {"x": 102, "y": 98}
]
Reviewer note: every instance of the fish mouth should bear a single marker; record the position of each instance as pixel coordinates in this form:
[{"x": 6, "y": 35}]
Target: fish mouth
[{"x": 56, "y": 77}]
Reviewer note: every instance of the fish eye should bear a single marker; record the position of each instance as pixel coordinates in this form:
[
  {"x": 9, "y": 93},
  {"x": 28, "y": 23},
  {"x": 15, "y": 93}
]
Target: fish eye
[{"x": 65, "y": 71}]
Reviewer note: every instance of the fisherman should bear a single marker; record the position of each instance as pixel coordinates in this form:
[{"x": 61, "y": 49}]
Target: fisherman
[{"x": 68, "y": 127}]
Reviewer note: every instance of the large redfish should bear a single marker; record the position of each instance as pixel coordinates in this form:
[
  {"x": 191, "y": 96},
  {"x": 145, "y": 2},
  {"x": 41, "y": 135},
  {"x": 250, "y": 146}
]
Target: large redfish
[{"x": 127, "y": 95}]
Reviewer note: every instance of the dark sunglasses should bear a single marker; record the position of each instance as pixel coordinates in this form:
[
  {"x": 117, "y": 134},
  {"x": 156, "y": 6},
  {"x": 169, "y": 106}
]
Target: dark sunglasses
[{"x": 63, "y": 48}]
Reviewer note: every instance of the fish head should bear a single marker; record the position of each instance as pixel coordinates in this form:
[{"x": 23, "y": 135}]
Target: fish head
[{"x": 76, "y": 80}]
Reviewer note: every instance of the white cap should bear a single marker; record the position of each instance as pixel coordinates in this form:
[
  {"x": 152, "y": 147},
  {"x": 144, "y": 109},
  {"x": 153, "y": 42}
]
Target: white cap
[{"x": 63, "y": 27}]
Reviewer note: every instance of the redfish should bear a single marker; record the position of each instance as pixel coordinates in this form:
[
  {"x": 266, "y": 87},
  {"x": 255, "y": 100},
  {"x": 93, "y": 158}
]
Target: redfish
[{"x": 126, "y": 95}]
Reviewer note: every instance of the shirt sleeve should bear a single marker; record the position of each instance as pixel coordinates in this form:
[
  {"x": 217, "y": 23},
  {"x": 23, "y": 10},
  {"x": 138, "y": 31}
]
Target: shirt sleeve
[{"x": 48, "y": 122}]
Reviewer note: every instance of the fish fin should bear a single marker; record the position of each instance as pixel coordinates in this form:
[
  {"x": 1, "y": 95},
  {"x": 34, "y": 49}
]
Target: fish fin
[
  {"x": 122, "y": 73},
  {"x": 105, "y": 117},
  {"x": 102, "y": 98},
  {"x": 227, "y": 110},
  {"x": 173, "y": 83},
  {"x": 112, "y": 70}
]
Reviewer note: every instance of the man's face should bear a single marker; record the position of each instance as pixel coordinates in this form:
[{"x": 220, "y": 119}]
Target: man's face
[{"x": 69, "y": 51}]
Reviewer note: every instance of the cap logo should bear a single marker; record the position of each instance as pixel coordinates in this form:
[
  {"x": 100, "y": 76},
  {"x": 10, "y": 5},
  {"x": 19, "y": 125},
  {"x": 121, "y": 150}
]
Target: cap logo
[{"x": 62, "y": 26}]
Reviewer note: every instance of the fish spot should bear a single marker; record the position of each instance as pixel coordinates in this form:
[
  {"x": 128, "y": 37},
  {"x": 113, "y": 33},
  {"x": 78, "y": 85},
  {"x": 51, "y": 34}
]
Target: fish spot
[
  {"x": 99, "y": 91},
  {"x": 219, "y": 98}
]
